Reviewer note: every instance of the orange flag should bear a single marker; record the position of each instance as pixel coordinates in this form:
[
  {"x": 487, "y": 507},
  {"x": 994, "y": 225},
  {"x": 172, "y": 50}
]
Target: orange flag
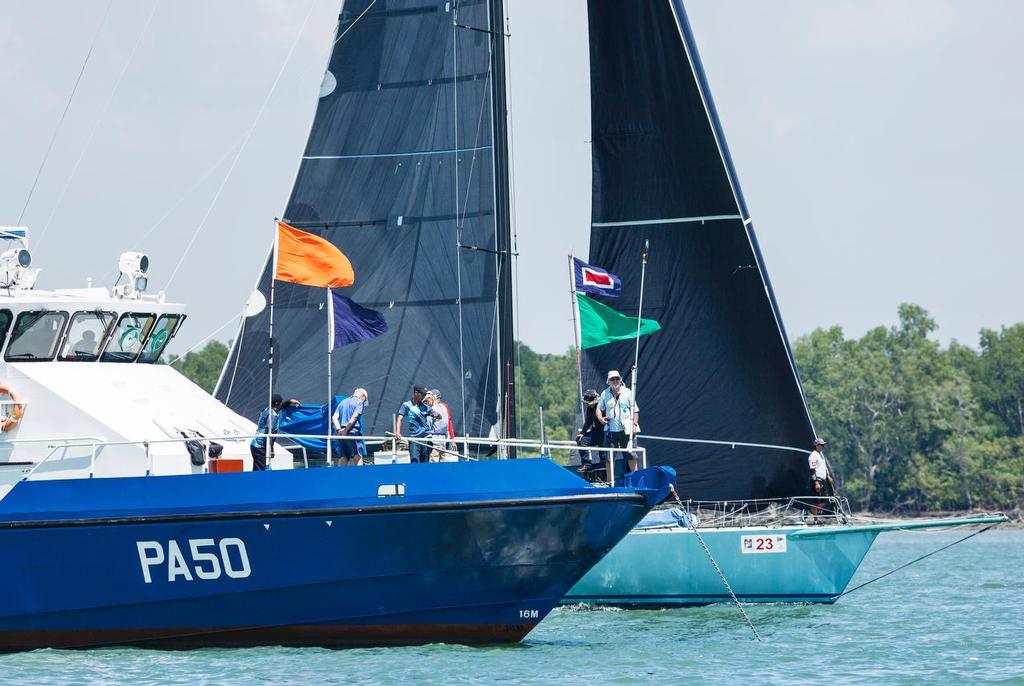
[{"x": 310, "y": 260}]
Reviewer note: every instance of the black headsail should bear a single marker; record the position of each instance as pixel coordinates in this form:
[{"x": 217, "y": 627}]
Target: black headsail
[
  {"x": 405, "y": 163},
  {"x": 721, "y": 368}
]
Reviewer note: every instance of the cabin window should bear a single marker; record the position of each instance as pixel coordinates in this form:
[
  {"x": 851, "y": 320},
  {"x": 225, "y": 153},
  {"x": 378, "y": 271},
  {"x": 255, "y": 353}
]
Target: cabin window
[
  {"x": 35, "y": 336},
  {"x": 125, "y": 341},
  {"x": 86, "y": 335},
  {"x": 5, "y": 325},
  {"x": 163, "y": 332}
]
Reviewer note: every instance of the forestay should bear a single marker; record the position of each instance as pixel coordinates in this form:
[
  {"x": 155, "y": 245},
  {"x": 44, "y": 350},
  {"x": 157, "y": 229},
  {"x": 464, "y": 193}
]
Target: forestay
[{"x": 721, "y": 367}]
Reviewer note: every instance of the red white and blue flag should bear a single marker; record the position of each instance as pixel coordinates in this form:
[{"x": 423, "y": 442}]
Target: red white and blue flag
[{"x": 594, "y": 280}]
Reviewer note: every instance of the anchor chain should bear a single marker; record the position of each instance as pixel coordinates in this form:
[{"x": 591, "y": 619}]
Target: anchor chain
[{"x": 714, "y": 563}]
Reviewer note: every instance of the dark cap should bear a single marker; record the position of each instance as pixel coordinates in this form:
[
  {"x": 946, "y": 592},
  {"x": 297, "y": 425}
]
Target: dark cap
[
  {"x": 820, "y": 441},
  {"x": 276, "y": 399},
  {"x": 590, "y": 396},
  {"x": 419, "y": 388}
]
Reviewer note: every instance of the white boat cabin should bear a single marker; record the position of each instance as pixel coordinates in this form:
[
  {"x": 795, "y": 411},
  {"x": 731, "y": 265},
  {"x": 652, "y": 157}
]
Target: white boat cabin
[{"x": 83, "y": 392}]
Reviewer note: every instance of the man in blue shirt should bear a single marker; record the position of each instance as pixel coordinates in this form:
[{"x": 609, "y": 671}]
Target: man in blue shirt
[
  {"x": 267, "y": 424},
  {"x": 418, "y": 416},
  {"x": 348, "y": 421}
]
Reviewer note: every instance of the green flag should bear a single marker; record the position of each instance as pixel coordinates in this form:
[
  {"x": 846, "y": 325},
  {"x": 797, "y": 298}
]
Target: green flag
[{"x": 600, "y": 324}]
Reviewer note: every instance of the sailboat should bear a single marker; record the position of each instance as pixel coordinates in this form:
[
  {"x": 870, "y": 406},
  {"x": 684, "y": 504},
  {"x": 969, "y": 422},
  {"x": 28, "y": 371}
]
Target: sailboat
[
  {"x": 718, "y": 386},
  {"x": 116, "y": 529}
]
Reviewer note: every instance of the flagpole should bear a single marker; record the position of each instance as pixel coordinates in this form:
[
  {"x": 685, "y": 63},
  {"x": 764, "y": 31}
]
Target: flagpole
[
  {"x": 639, "y": 321},
  {"x": 576, "y": 334},
  {"x": 270, "y": 358},
  {"x": 330, "y": 386}
]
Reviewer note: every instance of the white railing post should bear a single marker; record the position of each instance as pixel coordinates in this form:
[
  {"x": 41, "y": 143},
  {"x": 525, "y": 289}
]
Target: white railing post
[
  {"x": 92, "y": 461},
  {"x": 394, "y": 439},
  {"x": 149, "y": 459}
]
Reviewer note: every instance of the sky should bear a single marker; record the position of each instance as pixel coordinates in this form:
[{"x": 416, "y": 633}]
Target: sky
[{"x": 878, "y": 143}]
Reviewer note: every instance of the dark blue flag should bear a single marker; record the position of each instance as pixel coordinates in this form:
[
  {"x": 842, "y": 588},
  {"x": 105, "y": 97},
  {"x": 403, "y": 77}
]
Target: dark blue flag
[
  {"x": 594, "y": 280},
  {"x": 353, "y": 322}
]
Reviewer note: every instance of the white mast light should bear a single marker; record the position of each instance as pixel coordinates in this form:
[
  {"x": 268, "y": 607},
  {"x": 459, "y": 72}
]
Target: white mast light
[
  {"x": 14, "y": 269},
  {"x": 133, "y": 266}
]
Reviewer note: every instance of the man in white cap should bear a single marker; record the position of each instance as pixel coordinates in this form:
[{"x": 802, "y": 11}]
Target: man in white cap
[
  {"x": 620, "y": 415},
  {"x": 821, "y": 479},
  {"x": 348, "y": 421}
]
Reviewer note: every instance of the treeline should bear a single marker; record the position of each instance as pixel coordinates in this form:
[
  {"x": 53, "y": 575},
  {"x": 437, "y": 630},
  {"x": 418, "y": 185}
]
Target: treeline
[
  {"x": 911, "y": 425},
  {"x": 203, "y": 366},
  {"x": 914, "y": 426}
]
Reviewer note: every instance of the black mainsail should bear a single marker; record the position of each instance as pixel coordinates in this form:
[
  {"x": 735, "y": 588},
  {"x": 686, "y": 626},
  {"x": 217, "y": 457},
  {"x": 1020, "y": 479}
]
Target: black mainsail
[
  {"x": 405, "y": 170},
  {"x": 721, "y": 369}
]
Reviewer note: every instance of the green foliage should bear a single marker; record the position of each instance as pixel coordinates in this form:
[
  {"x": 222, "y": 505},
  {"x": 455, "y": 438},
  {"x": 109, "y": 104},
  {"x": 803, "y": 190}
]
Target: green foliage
[
  {"x": 548, "y": 381},
  {"x": 914, "y": 427},
  {"x": 203, "y": 366},
  {"x": 1001, "y": 370}
]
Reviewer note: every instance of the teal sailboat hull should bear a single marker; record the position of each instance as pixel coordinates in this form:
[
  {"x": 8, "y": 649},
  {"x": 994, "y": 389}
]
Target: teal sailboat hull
[{"x": 667, "y": 567}]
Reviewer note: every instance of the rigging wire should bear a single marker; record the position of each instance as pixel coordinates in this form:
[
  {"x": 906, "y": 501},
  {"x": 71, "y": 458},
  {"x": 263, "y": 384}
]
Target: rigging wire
[
  {"x": 237, "y": 351},
  {"x": 503, "y": 427},
  {"x": 177, "y": 203},
  {"x": 914, "y": 561},
  {"x": 179, "y": 358},
  {"x": 245, "y": 141},
  {"x": 462, "y": 203},
  {"x": 63, "y": 114},
  {"x": 96, "y": 126},
  {"x": 350, "y": 26},
  {"x": 458, "y": 225},
  {"x": 514, "y": 223}
]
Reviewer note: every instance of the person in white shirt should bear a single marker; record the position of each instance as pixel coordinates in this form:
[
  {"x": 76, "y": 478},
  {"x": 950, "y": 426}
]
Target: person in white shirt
[
  {"x": 821, "y": 479},
  {"x": 617, "y": 410}
]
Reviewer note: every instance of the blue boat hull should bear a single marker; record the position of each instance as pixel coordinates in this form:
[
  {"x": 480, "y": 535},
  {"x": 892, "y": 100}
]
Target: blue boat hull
[
  {"x": 451, "y": 561},
  {"x": 669, "y": 568}
]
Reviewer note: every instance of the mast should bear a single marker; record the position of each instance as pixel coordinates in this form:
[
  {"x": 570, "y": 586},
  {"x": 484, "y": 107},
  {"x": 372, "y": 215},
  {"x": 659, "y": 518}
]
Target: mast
[{"x": 502, "y": 222}]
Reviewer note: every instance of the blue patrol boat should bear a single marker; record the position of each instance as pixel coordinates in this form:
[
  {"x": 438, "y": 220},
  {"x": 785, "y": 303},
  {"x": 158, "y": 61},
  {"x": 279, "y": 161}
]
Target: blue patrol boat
[
  {"x": 466, "y": 552},
  {"x": 120, "y": 524}
]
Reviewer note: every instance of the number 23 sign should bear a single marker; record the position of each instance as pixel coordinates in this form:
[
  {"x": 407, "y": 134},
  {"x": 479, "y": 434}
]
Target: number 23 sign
[{"x": 765, "y": 543}]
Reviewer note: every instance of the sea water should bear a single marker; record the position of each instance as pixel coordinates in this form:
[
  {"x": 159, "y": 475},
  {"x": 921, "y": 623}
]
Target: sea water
[{"x": 956, "y": 617}]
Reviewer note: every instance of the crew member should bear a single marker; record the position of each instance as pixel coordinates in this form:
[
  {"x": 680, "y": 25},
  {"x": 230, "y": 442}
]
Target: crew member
[
  {"x": 348, "y": 421},
  {"x": 619, "y": 413},
  {"x": 591, "y": 434},
  {"x": 821, "y": 479},
  {"x": 266, "y": 425},
  {"x": 418, "y": 416}
]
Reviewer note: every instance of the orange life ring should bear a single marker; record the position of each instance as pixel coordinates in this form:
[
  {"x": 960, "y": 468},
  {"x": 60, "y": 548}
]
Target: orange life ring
[{"x": 17, "y": 412}]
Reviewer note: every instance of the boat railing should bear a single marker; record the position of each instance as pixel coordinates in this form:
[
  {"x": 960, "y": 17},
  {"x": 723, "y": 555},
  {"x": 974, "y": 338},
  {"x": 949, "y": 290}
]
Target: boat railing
[
  {"x": 458, "y": 448},
  {"x": 55, "y": 444},
  {"x": 769, "y": 512}
]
